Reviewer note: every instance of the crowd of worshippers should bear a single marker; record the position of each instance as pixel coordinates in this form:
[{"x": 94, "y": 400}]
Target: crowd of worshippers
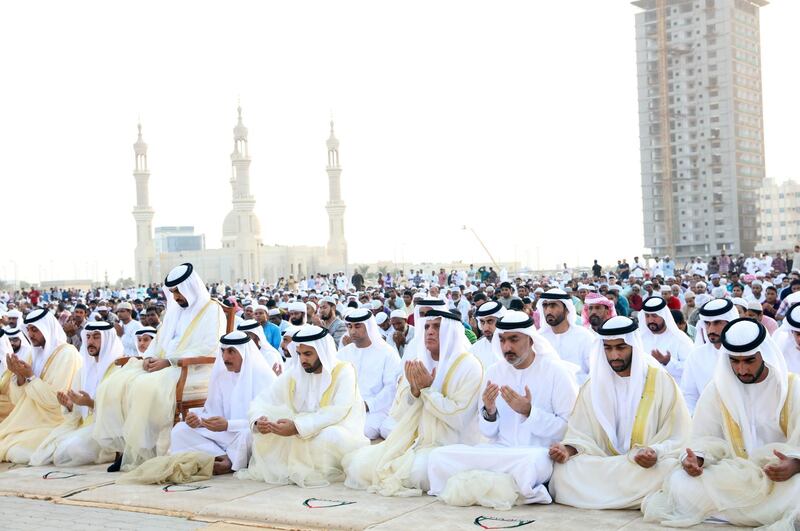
[{"x": 676, "y": 396}]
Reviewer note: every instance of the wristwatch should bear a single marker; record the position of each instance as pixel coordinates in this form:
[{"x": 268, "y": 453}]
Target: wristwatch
[
  {"x": 487, "y": 417},
  {"x": 30, "y": 378}
]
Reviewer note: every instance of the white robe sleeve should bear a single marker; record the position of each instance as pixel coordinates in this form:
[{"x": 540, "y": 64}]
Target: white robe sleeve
[
  {"x": 544, "y": 424},
  {"x": 462, "y": 395},
  {"x": 382, "y": 401}
]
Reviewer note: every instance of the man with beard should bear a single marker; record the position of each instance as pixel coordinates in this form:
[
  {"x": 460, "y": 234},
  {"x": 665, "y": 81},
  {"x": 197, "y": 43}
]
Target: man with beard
[
  {"x": 377, "y": 368},
  {"x": 34, "y": 387},
  {"x": 519, "y": 423},
  {"x": 21, "y": 347},
  {"x": 74, "y": 325},
  {"x": 402, "y": 333},
  {"x": 71, "y": 443},
  {"x": 629, "y": 422},
  {"x": 572, "y": 342},
  {"x": 597, "y": 310},
  {"x": 327, "y": 313},
  {"x": 135, "y": 407},
  {"x": 662, "y": 338},
  {"x": 743, "y": 464},
  {"x": 221, "y": 428},
  {"x": 487, "y": 315},
  {"x": 435, "y": 405},
  {"x": 699, "y": 366},
  {"x": 297, "y": 313},
  {"x": 309, "y": 419}
]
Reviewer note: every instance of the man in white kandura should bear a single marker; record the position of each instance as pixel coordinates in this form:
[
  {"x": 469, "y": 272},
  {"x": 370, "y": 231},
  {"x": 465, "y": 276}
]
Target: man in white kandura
[
  {"x": 222, "y": 428},
  {"x": 559, "y": 327},
  {"x": 255, "y": 331},
  {"x": 377, "y": 367},
  {"x": 787, "y": 338},
  {"x": 662, "y": 339},
  {"x": 743, "y": 464},
  {"x": 34, "y": 386},
  {"x": 527, "y": 399},
  {"x": 435, "y": 405},
  {"x": 699, "y": 366},
  {"x": 71, "y": 443},
  {"x": 311, "y": 417},
  {"x": 627, "y": 429},
  {"x": 487, "y": 316},
  {"x": 135, "y": 407}
]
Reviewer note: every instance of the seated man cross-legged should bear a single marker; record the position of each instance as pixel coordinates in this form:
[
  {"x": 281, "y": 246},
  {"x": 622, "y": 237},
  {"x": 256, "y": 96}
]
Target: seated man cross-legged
[
  {"x": 527, "y": 399},
  {"x": 627, "y": 429},
  {"x": 222, "y": 428},
  {"x": 309, "y": 419}
]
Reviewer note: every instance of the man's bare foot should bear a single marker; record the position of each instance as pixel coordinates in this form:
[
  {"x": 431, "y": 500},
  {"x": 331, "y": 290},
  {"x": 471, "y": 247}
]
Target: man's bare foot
[{"x": 222, "y": 465}]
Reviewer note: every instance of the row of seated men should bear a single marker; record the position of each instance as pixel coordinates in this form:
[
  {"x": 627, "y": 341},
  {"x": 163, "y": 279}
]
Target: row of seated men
[{"x": 518, "y": 431}]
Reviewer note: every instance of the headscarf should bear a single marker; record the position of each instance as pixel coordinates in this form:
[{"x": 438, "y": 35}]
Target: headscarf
[
  {"x": 658, "y": 306},
  {"x": 251, "y": 325},
  {"x": 5, "y": 350},
  {"x": 191, "y": 286},
  {"x": 602, "y": 383},
  {"x": 783, "y": 336},
  {"x": 54, "y": 335},
  {"x": 95, "y": 367},
  {"x": 558, "y": 295},
  {"x": 310, "y": 387},
  {"x": 5, "y": 347},
  {"x": 522, "y": 323},
  {"x": 713, "y": 310},
  {"x": 593, "y": 299},
  {"x": 418, "y": 351},
  {"x": 744, "y": 337},
  {"x": 452, "y": 343},
  {"x": 362, "y": 315},
  {"x": 233, "y": 400},
  {"x": 24, "y": 343}
]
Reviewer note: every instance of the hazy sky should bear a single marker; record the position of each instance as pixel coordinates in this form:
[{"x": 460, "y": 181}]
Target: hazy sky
[{"x": 516, "y": 118}]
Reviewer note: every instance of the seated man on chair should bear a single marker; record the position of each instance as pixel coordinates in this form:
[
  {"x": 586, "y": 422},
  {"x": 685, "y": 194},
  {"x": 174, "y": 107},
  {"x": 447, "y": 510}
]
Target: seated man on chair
[{"x": 135, "y": 407}]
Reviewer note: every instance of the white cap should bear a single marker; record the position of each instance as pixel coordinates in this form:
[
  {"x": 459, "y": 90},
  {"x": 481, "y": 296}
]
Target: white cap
[
  {"x": 398, "y": 314},
  {"x": 381, "y": 318}
]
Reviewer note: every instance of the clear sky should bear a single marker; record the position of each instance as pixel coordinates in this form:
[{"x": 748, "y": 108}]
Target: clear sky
[{"x": 516, "y": 118}]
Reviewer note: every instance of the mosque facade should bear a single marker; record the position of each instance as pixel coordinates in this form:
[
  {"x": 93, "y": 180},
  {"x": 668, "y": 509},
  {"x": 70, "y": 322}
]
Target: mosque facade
[{"x": 243, "y": 255}]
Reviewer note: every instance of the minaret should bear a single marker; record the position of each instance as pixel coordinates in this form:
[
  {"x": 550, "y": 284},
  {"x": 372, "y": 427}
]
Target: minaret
[
  {"x": 143, "y": 214},
  {"x": 337, "y": 246},
  {"x": 241, "y": 229}
]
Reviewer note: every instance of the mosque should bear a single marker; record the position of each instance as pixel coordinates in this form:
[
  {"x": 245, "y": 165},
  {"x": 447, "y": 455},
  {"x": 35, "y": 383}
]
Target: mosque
[{"x": 243, "y": 255}]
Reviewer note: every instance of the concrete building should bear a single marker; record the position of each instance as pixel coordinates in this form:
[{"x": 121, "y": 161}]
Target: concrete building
[
  {"x": 243, "y": 255},
  {"x": 779, "y": 216},
  {"x": 178, "y": 239},
  {"x": 700, "y": 124}
]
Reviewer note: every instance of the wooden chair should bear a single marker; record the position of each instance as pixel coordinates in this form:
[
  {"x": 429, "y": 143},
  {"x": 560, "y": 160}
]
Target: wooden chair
[{"x": 183, "y": 401}]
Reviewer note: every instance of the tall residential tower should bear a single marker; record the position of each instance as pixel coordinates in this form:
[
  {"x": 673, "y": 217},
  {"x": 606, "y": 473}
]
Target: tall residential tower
[{"x": 700, "y": 124}]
